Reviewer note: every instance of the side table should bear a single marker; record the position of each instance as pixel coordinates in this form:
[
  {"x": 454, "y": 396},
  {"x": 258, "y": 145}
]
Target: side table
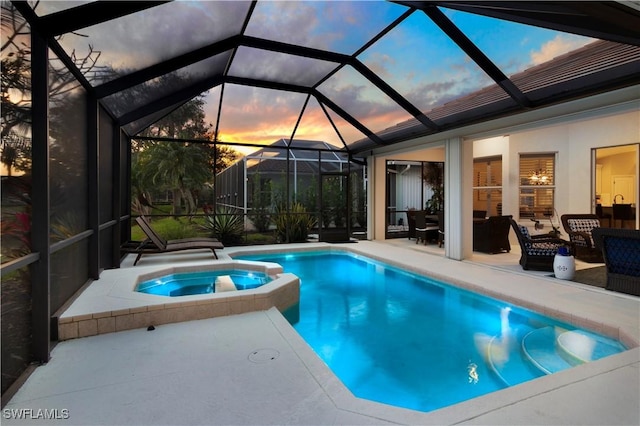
[{"x": 564, "y": 265}]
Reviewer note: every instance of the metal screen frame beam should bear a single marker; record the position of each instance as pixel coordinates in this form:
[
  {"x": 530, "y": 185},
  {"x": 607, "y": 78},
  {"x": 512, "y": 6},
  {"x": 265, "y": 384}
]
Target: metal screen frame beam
[
  {"x": 477, "y": 55},
  {"x": 176, "y": 98},
  {"x": 89, "y": 14},
  {"x": 40, "y": 201},
  {"x": 170, "y": 65},
  {"x": 606, "y": 20},
  {"x": 340, "y": 60}
]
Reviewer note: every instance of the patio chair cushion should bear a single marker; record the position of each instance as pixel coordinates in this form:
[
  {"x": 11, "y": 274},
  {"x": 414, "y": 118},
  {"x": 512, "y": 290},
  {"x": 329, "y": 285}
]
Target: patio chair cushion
[
  {"x": 541, "y": 248},
  {"x": 524, "y": 231},
  {"x": 581, "y": 225},
  {"x": 537, "y": 248}
]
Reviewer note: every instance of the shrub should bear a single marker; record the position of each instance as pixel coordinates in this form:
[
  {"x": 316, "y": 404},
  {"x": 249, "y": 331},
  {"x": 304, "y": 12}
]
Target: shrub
[
  {"x": 260, "y": 238},
  {"x": 295, "y": 223},
  {"x": 261, "y": 219},
  {"x": 65, "y": 226},
  {"x": 261, "y": 199},
  {"x": 225, "y": 225}
]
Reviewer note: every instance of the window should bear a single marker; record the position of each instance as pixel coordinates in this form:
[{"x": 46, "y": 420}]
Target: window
[
  {"x": 537, "y": 185},
  {"x": 487, "y": 186}
]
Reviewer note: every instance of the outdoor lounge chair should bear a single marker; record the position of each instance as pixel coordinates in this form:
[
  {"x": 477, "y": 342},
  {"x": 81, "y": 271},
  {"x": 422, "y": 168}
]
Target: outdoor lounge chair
[
  {"x": 538, "y": 251},
  {"x": 579, "y": 228},
  {"x": 155, "y": 244},
  {"x": 181, "y": 240},
  {"x": 621, "y": 253}
]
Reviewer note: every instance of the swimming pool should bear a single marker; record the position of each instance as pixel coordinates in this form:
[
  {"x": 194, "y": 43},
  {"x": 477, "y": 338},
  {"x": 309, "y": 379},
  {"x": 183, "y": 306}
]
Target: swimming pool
[{"x": 402, "y": 339}]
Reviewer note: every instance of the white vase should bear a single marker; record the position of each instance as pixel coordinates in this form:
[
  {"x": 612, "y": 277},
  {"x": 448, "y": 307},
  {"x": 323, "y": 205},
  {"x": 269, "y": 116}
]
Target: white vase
[{"x": 564, "y": 267}]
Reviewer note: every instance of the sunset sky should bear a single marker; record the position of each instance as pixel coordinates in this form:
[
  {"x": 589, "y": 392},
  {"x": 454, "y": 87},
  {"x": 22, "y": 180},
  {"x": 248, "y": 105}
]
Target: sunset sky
[{"x": 415, "y": 58}]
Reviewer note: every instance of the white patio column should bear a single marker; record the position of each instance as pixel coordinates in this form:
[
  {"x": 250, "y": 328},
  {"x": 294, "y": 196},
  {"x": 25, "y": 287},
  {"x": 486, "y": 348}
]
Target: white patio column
[
  {"x": 458, "y": 198},
  {"x": 373, "y": 184},
  {"x": 245, "y": 201}
]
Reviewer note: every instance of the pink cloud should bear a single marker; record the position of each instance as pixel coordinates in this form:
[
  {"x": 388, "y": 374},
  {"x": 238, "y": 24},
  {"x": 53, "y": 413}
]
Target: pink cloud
[{"x": 559, "y": 45}]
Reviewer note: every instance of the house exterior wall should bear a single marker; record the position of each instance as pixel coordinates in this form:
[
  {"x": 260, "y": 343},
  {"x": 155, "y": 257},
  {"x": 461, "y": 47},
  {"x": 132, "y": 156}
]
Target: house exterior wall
[
  {"x": 571, "y": 137},
  {"x": 573, "y": 142}
]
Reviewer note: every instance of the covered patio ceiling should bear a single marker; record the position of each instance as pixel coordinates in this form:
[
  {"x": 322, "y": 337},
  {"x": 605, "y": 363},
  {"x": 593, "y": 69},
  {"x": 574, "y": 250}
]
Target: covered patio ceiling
[{"x": 357, "y": 74}]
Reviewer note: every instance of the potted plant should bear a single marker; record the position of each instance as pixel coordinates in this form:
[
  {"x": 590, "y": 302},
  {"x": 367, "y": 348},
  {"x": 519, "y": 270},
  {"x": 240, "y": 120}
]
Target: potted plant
[{"x": 433, "y": 176}]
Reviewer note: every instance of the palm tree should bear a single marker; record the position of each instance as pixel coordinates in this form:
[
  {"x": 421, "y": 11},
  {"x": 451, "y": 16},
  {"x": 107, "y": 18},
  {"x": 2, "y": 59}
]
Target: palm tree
[
  {"x": 182, "y": 168},
  {"x": 179, "y": 168}
]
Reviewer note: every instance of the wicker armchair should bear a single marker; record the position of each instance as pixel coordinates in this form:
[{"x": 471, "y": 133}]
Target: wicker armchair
[
  {"x": 621, "y": 253},
  {"x": 492, "y": 235},
  {"x": 579, "y": 228},
  {"x": 538, "y": 251},
  {"x": 425, "y": 230}
]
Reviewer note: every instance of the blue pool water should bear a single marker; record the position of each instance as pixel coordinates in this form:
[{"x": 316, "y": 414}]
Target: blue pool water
[
  {"x": 190, "y": 283},
  {"x": 409, "y": 341}
]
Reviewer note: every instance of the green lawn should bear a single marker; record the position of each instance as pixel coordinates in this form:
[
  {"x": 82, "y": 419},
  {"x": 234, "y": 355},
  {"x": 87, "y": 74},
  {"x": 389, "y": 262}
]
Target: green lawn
[{"x": 171, "y": 228}]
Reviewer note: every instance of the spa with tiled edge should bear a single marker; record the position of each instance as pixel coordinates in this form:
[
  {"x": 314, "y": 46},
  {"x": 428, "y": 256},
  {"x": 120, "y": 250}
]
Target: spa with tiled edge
[{"x": 147, "y": 310}]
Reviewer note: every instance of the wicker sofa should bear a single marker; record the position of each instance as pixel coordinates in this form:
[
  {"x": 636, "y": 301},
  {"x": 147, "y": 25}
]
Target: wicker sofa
[{"x": 621, "y": 253}]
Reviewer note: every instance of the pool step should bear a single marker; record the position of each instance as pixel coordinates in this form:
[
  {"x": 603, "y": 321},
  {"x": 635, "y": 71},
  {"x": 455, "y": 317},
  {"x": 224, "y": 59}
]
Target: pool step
[
  {"x": 570, "y": 348},
  {"x": 505, "y": 358},
  {"x": 580, "y": 346},
  {"x": 192, "y": 290},
  {"x": 539, "y": 346},
  {"x": 528, "y": 353}
]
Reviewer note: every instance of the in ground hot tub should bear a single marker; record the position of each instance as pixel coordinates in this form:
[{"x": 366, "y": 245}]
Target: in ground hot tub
[
  {"x": 203, "y": 282},
  {"x": 206, "y": 291}
]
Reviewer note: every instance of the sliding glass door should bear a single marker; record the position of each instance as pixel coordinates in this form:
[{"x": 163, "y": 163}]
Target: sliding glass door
[{"x": 615, "y": 185}]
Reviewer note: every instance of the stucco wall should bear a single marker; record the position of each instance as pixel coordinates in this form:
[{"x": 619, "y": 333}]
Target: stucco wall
[
  {"x": 572, "y": 138},
  {"x": 573, "y": 142}
]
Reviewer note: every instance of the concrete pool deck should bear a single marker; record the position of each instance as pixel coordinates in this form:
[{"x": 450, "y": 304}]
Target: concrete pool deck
[{"x": 253, "y": 368}]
